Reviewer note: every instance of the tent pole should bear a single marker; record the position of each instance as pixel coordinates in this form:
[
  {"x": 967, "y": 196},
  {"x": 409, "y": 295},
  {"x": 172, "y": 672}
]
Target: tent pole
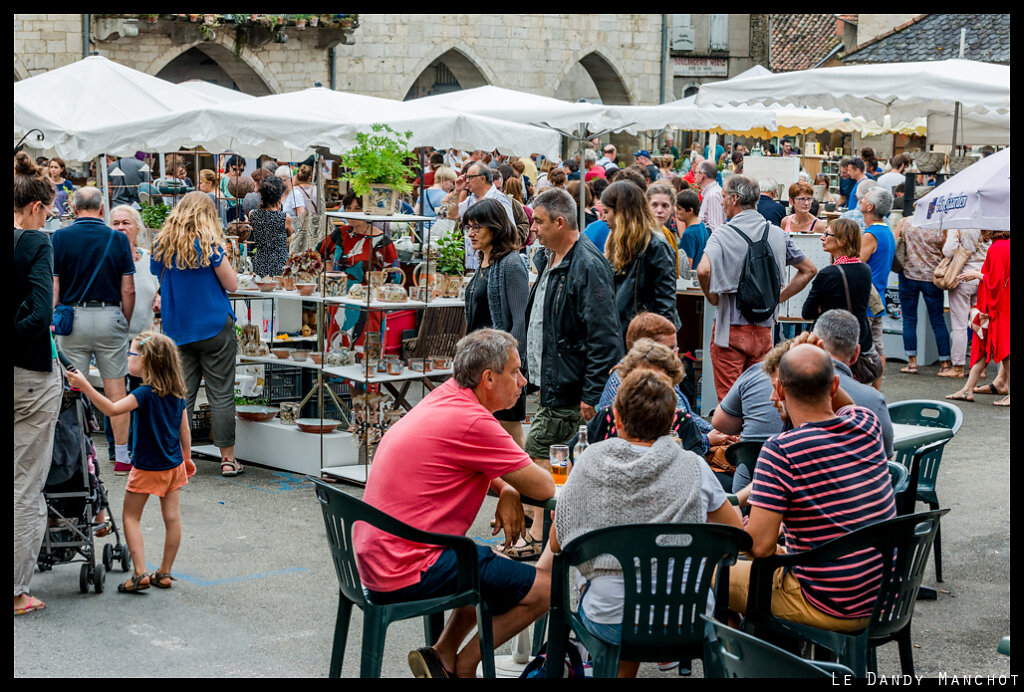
[
  {"x": 583, "y": 191},
  {"x": 101, "y": 165}
]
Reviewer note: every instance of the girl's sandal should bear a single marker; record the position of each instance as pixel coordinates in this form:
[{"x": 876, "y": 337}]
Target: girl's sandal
[
  {"x": 157, "y": 579},
  {"x": 230, "y": 468},
  {"x": 134, "y": 584}
]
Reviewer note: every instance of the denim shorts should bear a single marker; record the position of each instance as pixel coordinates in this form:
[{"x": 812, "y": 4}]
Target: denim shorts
[
  {"x": 503, "y": 582},
  {"x": 606, "y": 633}
]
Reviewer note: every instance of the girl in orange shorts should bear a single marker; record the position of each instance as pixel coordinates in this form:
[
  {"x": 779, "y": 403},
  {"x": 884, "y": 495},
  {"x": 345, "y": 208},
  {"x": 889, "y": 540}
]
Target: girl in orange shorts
[{"x": 161, "y": 453}]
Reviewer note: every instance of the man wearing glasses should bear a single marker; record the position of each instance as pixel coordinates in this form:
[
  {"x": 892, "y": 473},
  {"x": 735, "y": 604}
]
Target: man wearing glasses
[{"x": 478, "y": 184}]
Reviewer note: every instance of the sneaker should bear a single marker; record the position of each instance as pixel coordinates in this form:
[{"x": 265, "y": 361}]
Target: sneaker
[
  {"x": 668, "y": 665},
  {"x": 121, "y": 468}
]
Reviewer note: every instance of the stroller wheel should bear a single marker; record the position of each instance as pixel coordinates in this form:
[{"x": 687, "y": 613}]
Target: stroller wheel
[
  {"x": 108, "y": 556},
  {"x": 126, "y": 558},
  {"x": 83, "y": 578},
  {"x": 99, "y": 577}
]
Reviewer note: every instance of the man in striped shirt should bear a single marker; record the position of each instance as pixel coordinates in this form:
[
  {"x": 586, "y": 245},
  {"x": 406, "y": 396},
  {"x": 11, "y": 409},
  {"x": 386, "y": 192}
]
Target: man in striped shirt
[{"x": 819, "y": 481}]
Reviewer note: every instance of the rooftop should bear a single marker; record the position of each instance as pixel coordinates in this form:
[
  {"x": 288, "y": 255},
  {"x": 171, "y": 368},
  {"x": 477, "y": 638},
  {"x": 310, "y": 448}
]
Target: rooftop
[
  {"x": 801, "y": 41},
  {"x": 937, "y": 37}
]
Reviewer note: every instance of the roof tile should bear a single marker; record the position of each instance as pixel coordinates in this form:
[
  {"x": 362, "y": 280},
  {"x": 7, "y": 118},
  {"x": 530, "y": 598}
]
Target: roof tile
[
  {"x": 937, "y": 37},
  {"x": 801, "y": 41}
]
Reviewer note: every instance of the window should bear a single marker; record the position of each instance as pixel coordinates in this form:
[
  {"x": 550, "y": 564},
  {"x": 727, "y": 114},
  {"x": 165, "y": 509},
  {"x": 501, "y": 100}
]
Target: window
[
  {"x": 719, "y": 32},
  {"x": 683, "y": 33}
]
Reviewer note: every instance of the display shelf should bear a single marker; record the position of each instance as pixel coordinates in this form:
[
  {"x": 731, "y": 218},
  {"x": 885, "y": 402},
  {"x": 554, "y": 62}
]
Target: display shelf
[
  {"x": 406, "y": 305},
  {"x": 250, "y": 294},
  {"x": 271, "y": 443},
  {"x": 363, "y": 216},
  {"x": 356, "y": 373}
]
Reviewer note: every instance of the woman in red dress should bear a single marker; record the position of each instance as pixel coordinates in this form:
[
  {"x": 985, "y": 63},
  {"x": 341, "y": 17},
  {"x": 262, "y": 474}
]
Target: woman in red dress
[{"x": 993, "y": 300}]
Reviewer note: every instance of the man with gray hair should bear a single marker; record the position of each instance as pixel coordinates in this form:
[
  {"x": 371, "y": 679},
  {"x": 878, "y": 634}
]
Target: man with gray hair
[
  {"x": 877, "y": 248},
  {"x": 736, "y": 344},
  {"x": 432, "y": 471},
  {"x": 712, "y": 213},
  {"x": 839, "y": 331},
  {"x": 591, "y": 167},
  {"x": 477, "y": 184},
  {"x": 94, "y": 271},
  {"x": 766, "y": 204}
]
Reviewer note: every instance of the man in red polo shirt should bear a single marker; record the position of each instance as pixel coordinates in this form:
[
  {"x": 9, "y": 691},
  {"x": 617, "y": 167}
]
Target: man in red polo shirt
[{"x": 432, "y": 471}]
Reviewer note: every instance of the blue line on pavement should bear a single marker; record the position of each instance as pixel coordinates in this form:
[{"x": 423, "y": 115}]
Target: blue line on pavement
[
  {"x": 213, "y": 582},
  {"x": 285, "y": 483}
]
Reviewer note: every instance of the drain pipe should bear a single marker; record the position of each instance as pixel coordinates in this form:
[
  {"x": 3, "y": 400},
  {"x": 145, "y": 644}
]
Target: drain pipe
[
  {"x": 330, "y": 66},
  {"x": 664, "y": 56},
  {"x": 85, "y": 35}
]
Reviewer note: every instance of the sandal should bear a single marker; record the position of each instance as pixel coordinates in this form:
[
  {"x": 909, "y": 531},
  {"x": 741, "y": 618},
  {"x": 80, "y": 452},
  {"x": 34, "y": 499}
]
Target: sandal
[
  {"x": 909, "y": 370},
  {"x": 233, "y": 468},
  {"x": 157, "y": 579},
  {"x": 1002, "y": 402},
  {"x": 956, "y": 371},
  {"x": 33, "y": 604},
  {"x": 959, "y": 396},
  {"x": 134, "y": 584},
  {"x": 531, "y": 550},
  {"x": 989, "y": 388}
]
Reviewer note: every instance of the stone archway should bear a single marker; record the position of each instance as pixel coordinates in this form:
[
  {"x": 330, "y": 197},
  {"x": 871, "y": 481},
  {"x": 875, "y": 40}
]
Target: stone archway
[
  {"x": 594, "y": 77},
  {"x": 452, "y": 70},
  {"x": 214, "y": 62}
]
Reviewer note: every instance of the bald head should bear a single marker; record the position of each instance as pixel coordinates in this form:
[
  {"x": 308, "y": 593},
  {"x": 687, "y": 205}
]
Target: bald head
[
  {"x": 806, "y": 374},
  {"x": 88, "y": 201}
]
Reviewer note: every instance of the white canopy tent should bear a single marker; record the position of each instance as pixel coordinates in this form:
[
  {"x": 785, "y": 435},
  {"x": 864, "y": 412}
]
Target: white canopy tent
[
  {"x": 215, "y": 92},
  {"x": 903, "y": 91},
  {"x": 976, "y": 197}
]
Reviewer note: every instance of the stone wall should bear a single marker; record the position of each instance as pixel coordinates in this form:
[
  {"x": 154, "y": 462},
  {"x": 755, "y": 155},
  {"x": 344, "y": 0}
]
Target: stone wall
[{"x": 45, "y": 41}]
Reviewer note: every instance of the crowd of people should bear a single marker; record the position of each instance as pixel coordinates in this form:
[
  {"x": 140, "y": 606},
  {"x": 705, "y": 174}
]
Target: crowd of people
[{"x": 589, "y": 325}]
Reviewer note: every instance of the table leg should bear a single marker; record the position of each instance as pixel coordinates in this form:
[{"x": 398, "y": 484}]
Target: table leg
[
  {"x": 399, "y": 395},
  {"x": 541, "y": 624}
]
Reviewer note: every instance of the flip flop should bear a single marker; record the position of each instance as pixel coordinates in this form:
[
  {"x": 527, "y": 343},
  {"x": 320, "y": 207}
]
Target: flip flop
[
  {"x": 425, "y": 663},
  {"x": 959, "y": 396},
  {"x": 1002, "y": 402},
  {"x": 909, "y": 370},
  {"x": 33, "y": 604},
  {"x": 989, "y": 388}
]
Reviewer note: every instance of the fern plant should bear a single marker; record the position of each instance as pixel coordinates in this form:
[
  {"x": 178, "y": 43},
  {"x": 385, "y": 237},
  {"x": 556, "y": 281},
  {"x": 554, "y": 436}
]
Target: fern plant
[{"x": 379, "y": 157}]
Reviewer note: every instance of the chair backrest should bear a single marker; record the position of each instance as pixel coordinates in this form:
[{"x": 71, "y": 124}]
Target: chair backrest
[
  {"x": 744, "y": 453},
  {"x": 899, "y": 475},
  {"x": 342, "y": 512},
  {"x": 745, "y": 656},
  {"x": 935, "y": 414},
  {"x": 667, "y": 569}
]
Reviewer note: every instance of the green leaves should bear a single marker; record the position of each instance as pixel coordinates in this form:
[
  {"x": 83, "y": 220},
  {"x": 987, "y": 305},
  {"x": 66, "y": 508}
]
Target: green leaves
[
  {"x": 379, "y": 157},
  {"x": 154, "y": 215},
  {"x": 451, "y": 252}
]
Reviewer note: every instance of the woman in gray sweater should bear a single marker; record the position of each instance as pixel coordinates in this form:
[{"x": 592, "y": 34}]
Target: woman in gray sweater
[{"x": 639, "y": 477}]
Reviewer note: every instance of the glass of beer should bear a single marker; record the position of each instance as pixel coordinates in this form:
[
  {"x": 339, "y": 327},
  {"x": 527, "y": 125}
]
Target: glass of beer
[{"x": 559, "y": 457}]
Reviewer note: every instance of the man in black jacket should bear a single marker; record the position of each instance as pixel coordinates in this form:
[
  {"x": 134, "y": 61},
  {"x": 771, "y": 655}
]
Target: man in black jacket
[{"x": 572, "y": 336}]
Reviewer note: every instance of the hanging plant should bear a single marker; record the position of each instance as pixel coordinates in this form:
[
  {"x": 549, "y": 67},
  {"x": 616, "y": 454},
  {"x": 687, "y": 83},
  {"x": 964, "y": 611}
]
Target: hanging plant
[{"x": 206, "y": 32}]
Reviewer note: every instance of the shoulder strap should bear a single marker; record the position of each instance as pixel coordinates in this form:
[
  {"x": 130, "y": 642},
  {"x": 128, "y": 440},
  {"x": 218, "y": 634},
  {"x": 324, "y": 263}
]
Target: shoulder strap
[
  {"x": 309, "y": 198},
  {"x": 846, "y": 287},
  {"x": 99, "y": 264},
  {"x": 18, "y": 232},
  {"x": 764, "y": 236}
]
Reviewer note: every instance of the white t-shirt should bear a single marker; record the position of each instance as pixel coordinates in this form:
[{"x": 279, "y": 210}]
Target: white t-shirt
[
  {"x": 890, "y": 180},
  {"x": 298, "y": 198},
  {"x": 604, "y": 598},
  {"x": 146, "y": 286}
]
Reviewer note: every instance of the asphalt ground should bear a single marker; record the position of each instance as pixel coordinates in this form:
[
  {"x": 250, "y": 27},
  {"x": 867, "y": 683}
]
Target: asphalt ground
[{"x": 256, "y": 594}]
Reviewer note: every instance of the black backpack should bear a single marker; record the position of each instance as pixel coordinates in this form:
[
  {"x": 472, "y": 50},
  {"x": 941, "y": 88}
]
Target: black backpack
[{"x": 757, "y": 295}]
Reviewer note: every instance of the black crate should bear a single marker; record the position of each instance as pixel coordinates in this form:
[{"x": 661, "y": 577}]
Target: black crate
[
  {"x": 200, "y": 424},
  {"x": 282, "y": 383}
]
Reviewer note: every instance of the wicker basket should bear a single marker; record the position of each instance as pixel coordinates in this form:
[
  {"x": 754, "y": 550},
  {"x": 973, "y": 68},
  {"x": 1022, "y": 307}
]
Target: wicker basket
[
  {"x": 958, "y": 163},
  {"x": 929, "y": 161}
]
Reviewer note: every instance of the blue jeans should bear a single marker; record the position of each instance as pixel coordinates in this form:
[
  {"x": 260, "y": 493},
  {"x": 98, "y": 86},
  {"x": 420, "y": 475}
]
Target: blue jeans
[{"x": 909, "y": 290}]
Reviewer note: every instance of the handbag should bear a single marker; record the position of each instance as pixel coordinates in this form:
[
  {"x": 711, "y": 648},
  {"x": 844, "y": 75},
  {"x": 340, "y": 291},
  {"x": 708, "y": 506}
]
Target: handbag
[
  {"x": 949, "y": 268},
  {"x": 978, "y": 321},
  {"x": 574, "y": 665},
  {"x": 64, "y": 315},
  {"x": 868, "y": 366}
]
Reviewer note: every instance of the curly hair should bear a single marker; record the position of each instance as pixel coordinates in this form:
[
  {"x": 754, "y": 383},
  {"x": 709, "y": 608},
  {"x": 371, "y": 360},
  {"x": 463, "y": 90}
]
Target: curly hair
[
  {"x": 633, "y": 223},
  {"x": 194, "y": 222},
  {"x": 161, "y": 364},
  {"x": 271, "y": 191}
]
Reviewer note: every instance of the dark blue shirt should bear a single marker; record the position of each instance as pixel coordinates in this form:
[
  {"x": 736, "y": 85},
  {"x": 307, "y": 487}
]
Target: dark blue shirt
[
  {"x": 156, "y": 430},
  {"x": 598, "y": 233},
  {"x": 193, "y": 304},
  {"x": 694, "y": 239},
  {"x": 771, "y": 210},
  {"x": 78, "y": 250},
  {"x": 846, "y": 186}
]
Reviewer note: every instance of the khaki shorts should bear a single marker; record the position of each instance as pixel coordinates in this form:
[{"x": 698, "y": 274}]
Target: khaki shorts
[
  {"x": 876, "y": 334},
  {"x": 788, "y": 600},
  {"x": 100, "y": 332},
  {"x": 552, "y": 426}
]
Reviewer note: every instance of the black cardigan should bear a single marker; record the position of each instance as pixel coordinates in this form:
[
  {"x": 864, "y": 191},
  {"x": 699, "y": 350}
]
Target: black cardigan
[
  {"x": 827, "y": 294},
  {"x": 33, "y": 302}
]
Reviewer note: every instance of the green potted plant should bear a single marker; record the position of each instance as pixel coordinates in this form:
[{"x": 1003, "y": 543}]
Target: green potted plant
[
  {"x": 450, "y": 255},
  {"x": 377, "y": 168}
]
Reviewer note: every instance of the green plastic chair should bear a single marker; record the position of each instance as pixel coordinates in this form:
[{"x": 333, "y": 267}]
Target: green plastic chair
[
  {"x": 903, "y": 543},
  {"x": 646, "y": 561},
  {"x": 746, "y": 656},
  {"x": 744, "y": 453},
  {"x": 341, "y": 513},
  {"x": 899, "y": 475},
  {"x": 1004, "y": 646},
  {"x": 936, "y": 414}
]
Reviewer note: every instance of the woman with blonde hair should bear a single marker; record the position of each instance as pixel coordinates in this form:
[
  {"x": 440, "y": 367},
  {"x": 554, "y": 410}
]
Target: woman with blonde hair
[
  {"x": 434, "y": 196},
  {"x": 189, "y": 256},
  {"x": 642, "y": 260}
]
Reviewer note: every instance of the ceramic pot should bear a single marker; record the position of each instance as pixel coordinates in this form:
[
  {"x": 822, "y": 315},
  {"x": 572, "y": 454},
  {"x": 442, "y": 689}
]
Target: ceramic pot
[{"x": 382, "y": 200}]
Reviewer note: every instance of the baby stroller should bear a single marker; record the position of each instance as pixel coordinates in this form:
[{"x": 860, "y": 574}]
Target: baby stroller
[{"x": 74, "y": 496}]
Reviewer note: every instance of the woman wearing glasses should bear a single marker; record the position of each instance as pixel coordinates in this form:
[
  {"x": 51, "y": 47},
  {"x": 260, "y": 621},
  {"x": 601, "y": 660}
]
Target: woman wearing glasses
[
  {"x": 496, "y": 297},
  {"x": 846, "y": 285},
  {"x": 801, "y": 196}
]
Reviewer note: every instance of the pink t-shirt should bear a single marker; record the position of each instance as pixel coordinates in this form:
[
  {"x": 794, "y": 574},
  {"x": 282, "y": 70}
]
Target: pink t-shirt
[
  {"x": 431, "y": 471},
  {"x": 595, "y": 172}
]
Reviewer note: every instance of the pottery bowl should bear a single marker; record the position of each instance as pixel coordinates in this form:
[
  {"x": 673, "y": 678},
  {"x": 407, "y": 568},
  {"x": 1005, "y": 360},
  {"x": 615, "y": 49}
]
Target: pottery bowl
[
  {"x": 315, "y": 425},
  {"x": 256, "y": 413}
]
